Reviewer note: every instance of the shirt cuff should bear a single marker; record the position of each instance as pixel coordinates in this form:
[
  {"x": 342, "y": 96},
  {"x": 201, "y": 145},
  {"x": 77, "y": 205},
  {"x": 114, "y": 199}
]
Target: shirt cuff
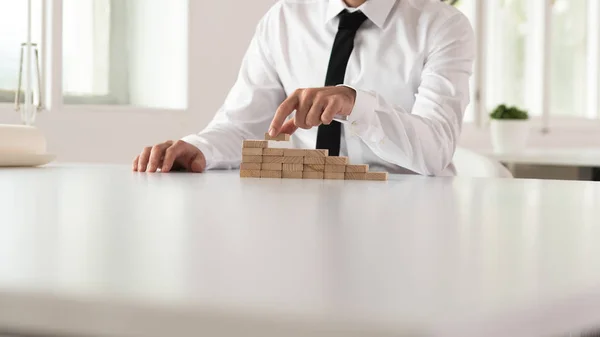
[
  {"x": 203, "y": 147},
  {"x": 363, "y": 119},
  {"x": 364, "y": 106}
]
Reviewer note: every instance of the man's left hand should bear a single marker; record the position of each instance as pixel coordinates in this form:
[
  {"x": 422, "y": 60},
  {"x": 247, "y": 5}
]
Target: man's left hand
[{"x": 314, "y": 106}]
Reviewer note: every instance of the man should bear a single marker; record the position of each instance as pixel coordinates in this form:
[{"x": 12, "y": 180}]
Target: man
[{"x": 396, "y": 85}]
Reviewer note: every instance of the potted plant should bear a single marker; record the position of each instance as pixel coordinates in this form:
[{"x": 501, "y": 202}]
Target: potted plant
[{"x": 509, "y": 129}]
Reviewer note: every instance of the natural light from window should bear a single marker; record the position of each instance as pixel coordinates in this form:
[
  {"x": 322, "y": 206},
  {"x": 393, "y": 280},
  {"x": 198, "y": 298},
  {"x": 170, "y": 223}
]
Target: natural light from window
[
  {"x": 512, "y": 55},
  {"x": 114, "y": 52},
  {"x": 13, "y": 25},
  {"x": 86, "y": 29},
  {"x": 125, "y": 52}
]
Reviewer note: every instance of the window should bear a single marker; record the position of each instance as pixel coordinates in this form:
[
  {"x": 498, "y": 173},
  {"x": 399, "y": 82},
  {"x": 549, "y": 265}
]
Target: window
[
  {"x": 541, "y": 55},
  {"x": 507, "y": 36},
  {"x": 112, "y": 52},
  {"x": 86, "y": 51},
  {"x": 569, "y": 55},
  {"x": 127, "y": 52},
  {"x": 13, "y": 24}
]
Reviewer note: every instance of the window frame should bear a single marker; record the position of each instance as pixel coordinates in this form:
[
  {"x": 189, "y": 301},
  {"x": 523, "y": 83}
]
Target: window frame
[
  {"x": 540, "y": 57},
  {"x": 7, "y": 96},
  {"x": 118, "y": 84},
  {"x": 593, "y": 60},
  {"x": 51, "y": 67}
]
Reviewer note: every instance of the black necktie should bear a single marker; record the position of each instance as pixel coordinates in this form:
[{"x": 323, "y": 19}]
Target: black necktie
[{"x": 329, "y": 136}]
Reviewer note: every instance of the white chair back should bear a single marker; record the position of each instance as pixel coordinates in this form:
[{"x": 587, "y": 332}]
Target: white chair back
[{"x": 471, "y": 164}]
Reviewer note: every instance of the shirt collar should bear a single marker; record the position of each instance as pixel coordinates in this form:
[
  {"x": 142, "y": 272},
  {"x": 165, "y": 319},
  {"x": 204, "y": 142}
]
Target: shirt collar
[{"x": 376, "y": 10}]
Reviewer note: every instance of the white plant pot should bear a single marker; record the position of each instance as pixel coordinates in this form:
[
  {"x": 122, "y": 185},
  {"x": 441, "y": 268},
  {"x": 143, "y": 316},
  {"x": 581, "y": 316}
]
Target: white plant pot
[{"x": 509, "y": 136}]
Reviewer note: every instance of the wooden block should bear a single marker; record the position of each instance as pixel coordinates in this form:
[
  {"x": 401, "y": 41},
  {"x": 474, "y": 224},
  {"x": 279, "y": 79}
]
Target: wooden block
[
  {"x": 293, "y": 160},
  {"x": 314, "y": 168},
  {"x": 270, "y": 174},
  {"x": 336, "y": 160},
  {"x": 291, "y": 175},
  {"x": 272, "y": 159},
  {"x": 250, "y": 166},
  {"x": 355, "y": 176},
  {"x": 294, "y": 152},
  {"x": 282, "y": 137},
  {"x": 252, "y": 151},
  {"x": 335, "y": 168},
  {"x": 312, "y": 175},
  {"x": 273, "y": 152},
  {"x": 251, "y": 159},
  {"x": 357, "y": 168},
  {"x": 379, "y": 176},
  {"x": 250, "y": 173},
  {"x": 280, "y": 145},
  {"x": 282, "y": 160},
  {"x": 334, "y": 176},
  {"x": 293, "y": 167},
  {"x": 313, "y": 160},
  {"x": 270, "y": 166},
  {"x": 316, "y": 153},
  {"x": 260, "y": 144}
]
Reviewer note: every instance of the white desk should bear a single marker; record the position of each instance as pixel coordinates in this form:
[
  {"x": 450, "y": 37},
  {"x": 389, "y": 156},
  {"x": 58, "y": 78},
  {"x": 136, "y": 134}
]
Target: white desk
[{"x": 101, "y": 251}]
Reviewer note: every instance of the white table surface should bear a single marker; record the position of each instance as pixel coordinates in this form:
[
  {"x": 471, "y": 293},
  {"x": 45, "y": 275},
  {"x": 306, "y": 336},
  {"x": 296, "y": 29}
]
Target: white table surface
[
  {"x": 102, "y": 251},
  {"x": 585, "y": 157}
]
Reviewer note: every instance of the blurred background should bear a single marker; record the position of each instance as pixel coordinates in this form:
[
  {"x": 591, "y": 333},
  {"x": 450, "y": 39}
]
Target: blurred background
[{"x": 117, "y": 75}]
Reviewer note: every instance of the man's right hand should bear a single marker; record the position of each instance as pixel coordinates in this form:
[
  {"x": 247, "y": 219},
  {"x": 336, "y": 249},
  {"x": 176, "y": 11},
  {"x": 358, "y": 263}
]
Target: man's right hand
[{"x": 170, "y": 156}]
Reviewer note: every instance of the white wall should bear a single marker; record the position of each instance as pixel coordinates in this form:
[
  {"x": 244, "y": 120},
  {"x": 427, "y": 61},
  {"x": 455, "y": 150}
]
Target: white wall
[{"x": 220, "y": 32}]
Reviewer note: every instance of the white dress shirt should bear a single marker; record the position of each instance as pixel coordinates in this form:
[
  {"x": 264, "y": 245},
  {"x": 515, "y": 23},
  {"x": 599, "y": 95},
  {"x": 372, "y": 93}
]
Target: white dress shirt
[{"x": 410, "y": 68}]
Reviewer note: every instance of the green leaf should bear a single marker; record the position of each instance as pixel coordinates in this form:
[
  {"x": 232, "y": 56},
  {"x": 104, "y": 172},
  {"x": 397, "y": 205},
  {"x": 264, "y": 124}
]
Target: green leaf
[{"x": 504, "y": 112}]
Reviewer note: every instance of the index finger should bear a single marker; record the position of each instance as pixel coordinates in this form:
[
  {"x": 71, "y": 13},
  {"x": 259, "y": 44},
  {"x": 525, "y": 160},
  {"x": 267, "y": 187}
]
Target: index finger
[{"x": 285, "y": 109}]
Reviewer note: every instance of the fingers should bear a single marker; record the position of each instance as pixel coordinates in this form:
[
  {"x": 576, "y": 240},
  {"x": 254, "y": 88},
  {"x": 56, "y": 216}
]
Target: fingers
[
  {"x": 183, "y": 155},
  {"x": 289, "y": 127},
  {"x": 197, "y": 164},
  {"x": 150, "y": 158},
  {"x": 306, "y": 101},
  {"x": 331, "y": 110},
  {"x": 172, "y": 154},
  {"x": 313, "y": 107},
  {"x": 156, "y": 155},
  {"x": 285, "y": 109},
  {"x": 135, "y": 163},
  {"x": 144, "y": 157},
  {"x": 169, "y": 154},
  {"x": 192, "y": 161},
  {"x": 313, "y": 118}
]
